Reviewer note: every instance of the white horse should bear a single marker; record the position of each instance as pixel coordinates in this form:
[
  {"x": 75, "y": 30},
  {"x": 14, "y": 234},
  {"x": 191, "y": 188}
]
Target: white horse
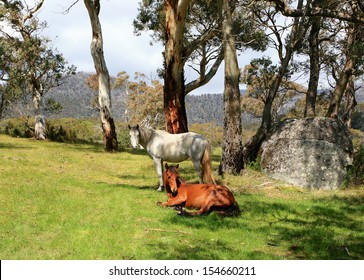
[{"x": 163, "y": 146}]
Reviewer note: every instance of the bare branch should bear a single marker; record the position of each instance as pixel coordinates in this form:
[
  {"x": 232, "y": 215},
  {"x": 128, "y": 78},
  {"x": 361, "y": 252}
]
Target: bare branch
[
  {"x": 70, "y": 7},
  {"x": 32, "y": 11}
]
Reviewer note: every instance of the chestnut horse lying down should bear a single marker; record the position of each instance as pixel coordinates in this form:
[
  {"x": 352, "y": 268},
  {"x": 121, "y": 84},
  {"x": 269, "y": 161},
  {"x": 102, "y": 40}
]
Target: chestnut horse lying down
[{"x": 205, "y": 197}]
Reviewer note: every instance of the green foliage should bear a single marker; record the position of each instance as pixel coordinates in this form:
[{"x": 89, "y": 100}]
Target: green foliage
[
  {"x": 358, "y": 117},
  {"x": 52, "y": 106},
  {"x": 20, "y": 127},
  {"x": 259, "y": 76},
  {"x": 65, "y": 130},
  {"x": 144, "y": 100},
  {"x": 31, "y": 65},
  {"x": 355, "y": 174},
  {"x": 255, "y": 165}
]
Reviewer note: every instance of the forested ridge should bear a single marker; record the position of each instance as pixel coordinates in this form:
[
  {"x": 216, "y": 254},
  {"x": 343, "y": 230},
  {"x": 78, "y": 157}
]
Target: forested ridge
[{"x": 78, "y": 101}]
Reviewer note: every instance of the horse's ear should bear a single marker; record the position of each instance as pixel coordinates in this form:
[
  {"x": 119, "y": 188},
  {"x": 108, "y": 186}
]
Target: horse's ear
[
  {"x": 129, "y": 126},
  {"x": 166, "y": 166},
  {"x": 137, "y": 126},
  {"x": 177, "y": 166}
]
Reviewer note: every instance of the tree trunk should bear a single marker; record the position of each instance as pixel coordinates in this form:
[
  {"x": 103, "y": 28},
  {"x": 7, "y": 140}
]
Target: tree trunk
[
  {"x": 311, "y": 95},
  {"x": 2, "y": 103},
  {"x": 174, "y": 84},
  {"x": 354, "y": 35},
  {"x": 232, "y": 157},
  {"x": 40, "y": 124},
  {"x": 350, "y": 102},
  {"x": 251, "y": 148},
  {"x": 335, "y": 101},
  {"x": 107, "y": 122}
]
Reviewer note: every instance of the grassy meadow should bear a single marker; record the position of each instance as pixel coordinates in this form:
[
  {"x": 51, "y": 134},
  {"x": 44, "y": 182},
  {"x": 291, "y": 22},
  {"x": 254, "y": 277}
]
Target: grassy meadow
[{"x": 75, "y": 201}]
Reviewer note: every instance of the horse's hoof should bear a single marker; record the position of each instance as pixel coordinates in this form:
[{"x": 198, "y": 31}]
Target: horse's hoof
[
  {"x": 181, "y": 213},
  {"x": 160, "y": 189}
]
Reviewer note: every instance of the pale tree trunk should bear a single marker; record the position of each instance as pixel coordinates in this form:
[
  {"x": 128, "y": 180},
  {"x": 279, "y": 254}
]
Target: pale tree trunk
[
  {"x": 40, "y": 124},
  {"x": 232, "y": 157},
  {"x": 107, "y": 122},
  {"x": 174, "y": 84}
]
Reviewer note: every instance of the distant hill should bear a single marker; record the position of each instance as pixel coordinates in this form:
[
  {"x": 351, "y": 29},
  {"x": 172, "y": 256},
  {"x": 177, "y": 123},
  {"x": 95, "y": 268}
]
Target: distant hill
[{"x": 77, "y": 98}]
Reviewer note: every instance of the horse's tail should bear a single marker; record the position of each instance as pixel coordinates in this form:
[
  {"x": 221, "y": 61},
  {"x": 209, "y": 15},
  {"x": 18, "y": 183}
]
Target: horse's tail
[
  {"x": 206, "y": 165},
  {"x": 232, "y": 211}
]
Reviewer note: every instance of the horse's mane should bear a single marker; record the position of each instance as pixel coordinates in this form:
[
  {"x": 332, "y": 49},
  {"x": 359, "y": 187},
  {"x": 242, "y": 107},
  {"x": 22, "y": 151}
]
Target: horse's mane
[{"x": 145, "y": 134}]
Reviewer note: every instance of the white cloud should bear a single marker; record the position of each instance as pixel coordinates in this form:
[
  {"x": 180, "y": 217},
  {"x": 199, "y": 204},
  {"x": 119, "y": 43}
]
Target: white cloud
[{"x": 123, "y": 50}]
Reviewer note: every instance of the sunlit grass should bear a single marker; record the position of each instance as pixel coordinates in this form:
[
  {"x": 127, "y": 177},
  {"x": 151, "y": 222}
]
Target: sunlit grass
[{"x": 67, "y": 201}]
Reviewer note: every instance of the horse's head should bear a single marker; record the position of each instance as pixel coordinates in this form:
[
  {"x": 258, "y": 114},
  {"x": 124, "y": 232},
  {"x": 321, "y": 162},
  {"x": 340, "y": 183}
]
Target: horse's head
[
  {"x": 171, "y": 177},
  {"x": 134, "y": 135}
]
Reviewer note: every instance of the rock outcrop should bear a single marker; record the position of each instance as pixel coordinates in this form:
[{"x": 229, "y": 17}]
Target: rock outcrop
[{"x": 311, "y": 152}]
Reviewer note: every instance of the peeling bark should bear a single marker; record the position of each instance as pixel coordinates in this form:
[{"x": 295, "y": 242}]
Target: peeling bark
[
  {"x": 232, "y": 157},
  {"x": 40, "y": 124},
  {"x": 107, "y": 122},
  {"x": 174, "y": 84}
]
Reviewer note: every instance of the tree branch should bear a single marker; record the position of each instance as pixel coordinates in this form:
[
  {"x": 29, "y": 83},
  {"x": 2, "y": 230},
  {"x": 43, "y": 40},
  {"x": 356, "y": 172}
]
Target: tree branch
[
  {"x": 202, "y": 81},
  {"x": 316, "y": 12},
  {"x": 32, "y": 11}
]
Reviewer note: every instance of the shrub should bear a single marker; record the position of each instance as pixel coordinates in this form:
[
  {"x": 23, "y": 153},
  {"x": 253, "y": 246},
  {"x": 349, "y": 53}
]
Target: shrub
[
  {"x": 355, "y": 174},
  {"x": 255, "y": 165},
  {"x": 21, "y": 127}
]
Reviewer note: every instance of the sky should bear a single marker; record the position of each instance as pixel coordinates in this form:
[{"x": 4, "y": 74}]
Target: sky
[{"x": 124, "y": 51}]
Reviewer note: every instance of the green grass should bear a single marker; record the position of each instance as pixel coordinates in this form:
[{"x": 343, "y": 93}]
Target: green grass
[{"x": 72, "y": 201}]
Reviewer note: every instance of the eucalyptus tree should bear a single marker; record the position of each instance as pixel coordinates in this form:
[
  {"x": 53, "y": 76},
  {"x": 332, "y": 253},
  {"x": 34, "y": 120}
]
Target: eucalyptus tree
[
  {"x": 35, "y": 66},
  {"x": 232, "y": 152},
  {"x": 352, "y": 14},
  {"x": 286, "y": 39},
  {"x": 193, "y": 37},
  {"x": 144, "y": 97},
  {"x": 258, "y": 76},
  {"x": 342, "y": 12},
  {"x": 104, "y": 87},
  {"x": 352, "y": 64},
  {"x": 188, "y": 30},
  {"x": 314, "y": 41}
]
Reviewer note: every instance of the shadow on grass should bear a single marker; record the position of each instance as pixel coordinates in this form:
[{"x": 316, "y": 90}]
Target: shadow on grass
[
  {"x": 130, "y": 187},
  {"x": 12, "y": 146},
  {"x": 332, "y": 229},
  {"x": 137, "y": 152},
  {"x": 192, "y": 249}
]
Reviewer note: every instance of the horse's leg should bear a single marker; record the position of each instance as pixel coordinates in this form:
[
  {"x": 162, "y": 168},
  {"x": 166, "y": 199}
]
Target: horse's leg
[
  {"x": 159, "y": 166},
  {"x": 197, "y": 166},
  {"x": 204, "y": 210},
  {"x": 174, "y": 201}
]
